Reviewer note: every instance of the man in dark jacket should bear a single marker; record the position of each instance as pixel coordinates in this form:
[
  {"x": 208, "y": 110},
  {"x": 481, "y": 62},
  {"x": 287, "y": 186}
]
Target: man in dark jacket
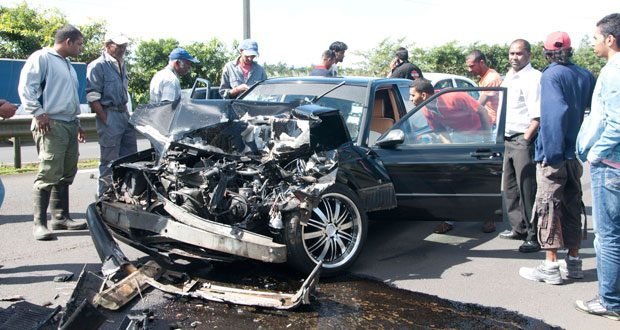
[
  {"x": 402, "y": 68},
  {"x": 566, "y": 92}
]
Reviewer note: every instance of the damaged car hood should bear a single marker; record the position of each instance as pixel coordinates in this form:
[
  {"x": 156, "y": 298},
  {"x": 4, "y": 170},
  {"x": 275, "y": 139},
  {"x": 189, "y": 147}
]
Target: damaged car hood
[{"x": 233, "y": 127}]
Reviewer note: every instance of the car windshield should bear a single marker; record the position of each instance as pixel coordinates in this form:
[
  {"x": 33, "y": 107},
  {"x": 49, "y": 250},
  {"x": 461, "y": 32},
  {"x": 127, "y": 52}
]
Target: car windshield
[{"x": 346, "y": 98}]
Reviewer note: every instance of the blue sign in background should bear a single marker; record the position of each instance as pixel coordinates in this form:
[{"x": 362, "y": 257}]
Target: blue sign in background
[{"x": 9, "y": 78}]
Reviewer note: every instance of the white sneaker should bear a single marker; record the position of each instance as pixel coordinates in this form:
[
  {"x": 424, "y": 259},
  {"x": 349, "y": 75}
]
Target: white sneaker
[{"x": 548, "y": 272}]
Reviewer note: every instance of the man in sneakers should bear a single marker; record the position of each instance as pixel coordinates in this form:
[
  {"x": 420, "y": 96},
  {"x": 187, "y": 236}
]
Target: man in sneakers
[
  {"x": 55, "y": 127},
  {"x": 566, "y": 91},
  {"x": 598, "y": 143},
  {"x": 522, "y": 120}
]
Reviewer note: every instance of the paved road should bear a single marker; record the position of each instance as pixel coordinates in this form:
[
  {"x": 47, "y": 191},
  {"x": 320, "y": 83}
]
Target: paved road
[
  {"x": 88, "y": 150},
  {"x": 465, "y": 266}
]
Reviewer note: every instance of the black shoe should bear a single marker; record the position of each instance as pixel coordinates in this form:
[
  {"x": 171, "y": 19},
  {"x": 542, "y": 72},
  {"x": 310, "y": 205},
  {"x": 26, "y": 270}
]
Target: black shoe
[
  {"x": 529, "y": 246},
  {"x": 509, "y": 234}
]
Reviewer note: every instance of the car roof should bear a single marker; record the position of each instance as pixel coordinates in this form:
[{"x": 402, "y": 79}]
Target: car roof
[
  {"x": 434, "y": 77},
  {"x": 350, "y": 80}
]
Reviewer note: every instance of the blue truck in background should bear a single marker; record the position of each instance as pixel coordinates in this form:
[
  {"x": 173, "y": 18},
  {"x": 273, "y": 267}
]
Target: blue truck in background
[{"x": 9, "y": 79}]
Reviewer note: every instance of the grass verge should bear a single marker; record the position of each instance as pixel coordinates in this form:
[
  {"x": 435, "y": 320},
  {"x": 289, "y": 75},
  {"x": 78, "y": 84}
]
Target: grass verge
[{"x": 33, "y": 167}]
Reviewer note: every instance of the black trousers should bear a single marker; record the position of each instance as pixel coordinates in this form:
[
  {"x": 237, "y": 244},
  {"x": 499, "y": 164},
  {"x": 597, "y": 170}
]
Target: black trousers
[{"x": 519, "y": 184}]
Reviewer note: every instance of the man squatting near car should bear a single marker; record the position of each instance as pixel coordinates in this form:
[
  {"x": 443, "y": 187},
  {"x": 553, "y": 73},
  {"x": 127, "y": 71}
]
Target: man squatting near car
[
  {"x": 328, "y": 58},
  {"x": 522, "y": 121},
  {"x": 165, "y": 84},
  {"x": 598, "y": 143},
  {"x": 565, "y": 93},
  {"x": 242, "y": 72},
  {"x": 107, "y": 96},
  {"x": 56, "y": 130},
  {"x": 476, "y": 63}
]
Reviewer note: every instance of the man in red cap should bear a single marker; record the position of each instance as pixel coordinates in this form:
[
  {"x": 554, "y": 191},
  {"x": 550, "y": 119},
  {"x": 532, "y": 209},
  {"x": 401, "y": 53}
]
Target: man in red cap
[{"x": 566, "y": 91}]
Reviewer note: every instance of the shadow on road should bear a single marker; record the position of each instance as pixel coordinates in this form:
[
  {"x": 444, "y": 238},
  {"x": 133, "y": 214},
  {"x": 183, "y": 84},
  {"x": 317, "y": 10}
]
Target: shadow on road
[
  {"x": 14, "y": 276},
  {"x": 412, "y": 251},
  {"x": 20, "y": 218}
]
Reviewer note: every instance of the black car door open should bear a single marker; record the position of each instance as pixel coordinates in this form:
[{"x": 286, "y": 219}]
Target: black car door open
[{"x": 449, "y": 163}]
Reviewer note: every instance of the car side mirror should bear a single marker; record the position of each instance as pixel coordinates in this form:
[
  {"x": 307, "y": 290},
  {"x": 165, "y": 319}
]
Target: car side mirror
[{"x": 391, "y": 139}]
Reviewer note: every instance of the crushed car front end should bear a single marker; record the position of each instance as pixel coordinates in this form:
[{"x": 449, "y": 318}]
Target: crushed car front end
[{"x": 231, "y": 179}]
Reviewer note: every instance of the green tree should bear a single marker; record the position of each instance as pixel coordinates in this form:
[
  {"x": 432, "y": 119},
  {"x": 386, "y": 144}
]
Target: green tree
[
  {"x": 93, "y": 33},
  {"x": 283, "y": 70},
  {"x": 24, "y": 30},
  {"x": 212, "y": 55},
  {"x": 448, "y": 58},
  {"x": 148, "y": 58},
  {"x": 585, "y": 56},
  {"x": 377, "y": 60},
  {"x": 152, "y": 55}
]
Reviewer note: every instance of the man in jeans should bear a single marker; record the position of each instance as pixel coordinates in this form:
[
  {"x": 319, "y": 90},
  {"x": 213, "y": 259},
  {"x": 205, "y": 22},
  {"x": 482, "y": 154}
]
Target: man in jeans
[
  {"x": 565, "y": 93},
  {"x": 598, "y": 143},
  {"x": 522, "y": 121}
]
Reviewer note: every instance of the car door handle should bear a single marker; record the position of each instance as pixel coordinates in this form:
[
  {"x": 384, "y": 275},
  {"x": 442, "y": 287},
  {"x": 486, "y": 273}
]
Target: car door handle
[{"x": 485, "y": 154}]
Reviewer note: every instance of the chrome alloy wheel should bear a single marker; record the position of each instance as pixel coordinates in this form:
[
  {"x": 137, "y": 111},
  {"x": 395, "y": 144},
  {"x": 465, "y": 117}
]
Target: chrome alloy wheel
[{"x": 333, "y": 233}]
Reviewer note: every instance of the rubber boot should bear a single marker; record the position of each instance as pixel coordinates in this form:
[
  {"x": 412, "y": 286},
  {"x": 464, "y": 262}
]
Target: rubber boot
[
  {"x": 41, "y": 201},
  {"x": 59, "y": 206}
]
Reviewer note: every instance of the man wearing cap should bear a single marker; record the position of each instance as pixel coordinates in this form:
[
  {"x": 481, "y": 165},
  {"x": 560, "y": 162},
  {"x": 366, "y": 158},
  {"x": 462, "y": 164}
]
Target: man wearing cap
[
  {"x": 243, "y": 72},
  {"x": 565, "y": 93},
  {"x": 107, "y": 96},
  {"x": 165, "y": 85}
]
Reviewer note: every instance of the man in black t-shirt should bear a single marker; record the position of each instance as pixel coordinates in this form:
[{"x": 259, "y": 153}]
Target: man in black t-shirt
[{"x": 402, "y": 68}]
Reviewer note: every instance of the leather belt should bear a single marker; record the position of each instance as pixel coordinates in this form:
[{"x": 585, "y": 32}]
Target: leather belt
[
  {"x": 512, "y": 137},
  {"x": 119, "y": 108}
]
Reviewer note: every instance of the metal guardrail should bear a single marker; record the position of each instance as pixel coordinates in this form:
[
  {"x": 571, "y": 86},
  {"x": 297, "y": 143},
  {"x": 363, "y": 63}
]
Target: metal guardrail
[{"x": 18, "y": 127}]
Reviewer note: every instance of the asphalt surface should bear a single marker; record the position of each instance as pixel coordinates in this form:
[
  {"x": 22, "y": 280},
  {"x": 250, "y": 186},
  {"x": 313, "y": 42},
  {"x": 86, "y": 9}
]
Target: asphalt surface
[{"x": 464, "y": 265}]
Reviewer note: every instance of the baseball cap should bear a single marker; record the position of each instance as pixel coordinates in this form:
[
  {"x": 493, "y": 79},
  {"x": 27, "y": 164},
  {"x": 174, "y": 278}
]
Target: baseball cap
[
  {"x": 182, "y": 54},
  {"x": 249, "y": 47},
  {"x": 557, "y": 40},
  {"x": 118, "y": 39}
]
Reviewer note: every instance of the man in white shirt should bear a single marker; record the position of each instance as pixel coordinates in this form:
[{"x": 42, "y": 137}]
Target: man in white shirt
[
  {"x": 165, "y": 85},
  {"x": 522, "y": 120}
]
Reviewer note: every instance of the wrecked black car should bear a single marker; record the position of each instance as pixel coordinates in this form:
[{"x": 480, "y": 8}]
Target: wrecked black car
[
  {"x": 291, "y": 172},
  {"x": 233, "y": 179}
]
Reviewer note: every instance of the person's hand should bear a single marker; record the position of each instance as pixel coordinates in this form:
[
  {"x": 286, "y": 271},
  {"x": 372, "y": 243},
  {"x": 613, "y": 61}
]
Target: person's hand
[
  {"x": 43, "y": 123},
  {"x": 394, "y": 63},
  {"x": 7, "y": 109},
  {"x": 240, "y": 89},
  {"x": 81, "y": 135},
  {"x": 103, "y": 116}
]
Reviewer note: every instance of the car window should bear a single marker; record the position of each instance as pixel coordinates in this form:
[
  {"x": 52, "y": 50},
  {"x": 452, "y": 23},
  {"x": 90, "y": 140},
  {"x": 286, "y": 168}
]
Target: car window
[
  {"x": 445, "y": 83},
  {"x": 464, "y": 83},
  {"x": 348, "y": 99},
  {"x": 404, "y": 94},
  {"x": 452, "y": 117}
]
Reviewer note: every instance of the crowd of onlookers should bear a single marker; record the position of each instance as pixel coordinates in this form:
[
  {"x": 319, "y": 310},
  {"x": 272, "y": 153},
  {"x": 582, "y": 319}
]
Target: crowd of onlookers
[{"x": 547, "y": 138}]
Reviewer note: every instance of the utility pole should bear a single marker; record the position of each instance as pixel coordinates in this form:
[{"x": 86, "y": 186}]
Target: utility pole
[{"x": 246, "y": 19}]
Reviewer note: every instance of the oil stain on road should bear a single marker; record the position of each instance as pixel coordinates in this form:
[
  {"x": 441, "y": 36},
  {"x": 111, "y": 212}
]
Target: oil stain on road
[{"x": 344, "y": 302}]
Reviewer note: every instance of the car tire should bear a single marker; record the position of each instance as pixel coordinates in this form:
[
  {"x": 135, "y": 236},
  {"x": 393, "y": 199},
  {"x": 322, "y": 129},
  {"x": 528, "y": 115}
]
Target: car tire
[{"x": 338, "y": 243}]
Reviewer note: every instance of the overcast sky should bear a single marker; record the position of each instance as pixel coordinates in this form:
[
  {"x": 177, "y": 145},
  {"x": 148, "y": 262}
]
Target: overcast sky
[{"x": 296, "y": 32}]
